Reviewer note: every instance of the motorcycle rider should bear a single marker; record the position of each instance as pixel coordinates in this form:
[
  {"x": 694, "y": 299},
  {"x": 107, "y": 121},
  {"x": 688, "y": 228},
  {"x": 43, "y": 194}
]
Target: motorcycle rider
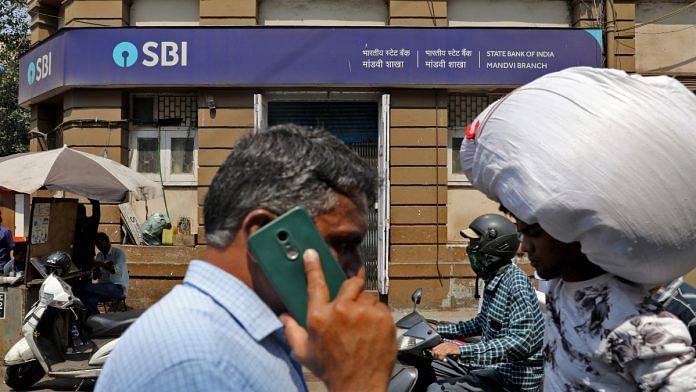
[{"x": 508, "y": 357}]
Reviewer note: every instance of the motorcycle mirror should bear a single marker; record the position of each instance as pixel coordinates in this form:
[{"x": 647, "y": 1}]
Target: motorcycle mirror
[{"x": 416, "y": 297}]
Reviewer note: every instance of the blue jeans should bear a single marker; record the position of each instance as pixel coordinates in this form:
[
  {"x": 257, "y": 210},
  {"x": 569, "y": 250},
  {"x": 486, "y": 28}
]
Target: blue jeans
[{"x": 104, "y": 291}]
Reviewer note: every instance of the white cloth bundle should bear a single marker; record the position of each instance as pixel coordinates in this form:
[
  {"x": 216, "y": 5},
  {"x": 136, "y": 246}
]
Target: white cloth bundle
[{"x": 600, "y": 157}]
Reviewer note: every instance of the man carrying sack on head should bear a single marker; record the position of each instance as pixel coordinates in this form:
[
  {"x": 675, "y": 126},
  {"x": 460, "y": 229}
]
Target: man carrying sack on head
[{"x": 597, "y": 168}]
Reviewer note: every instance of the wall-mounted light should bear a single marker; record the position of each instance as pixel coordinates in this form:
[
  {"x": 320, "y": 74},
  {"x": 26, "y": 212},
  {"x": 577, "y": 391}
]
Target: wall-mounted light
[{"x": 211, "y": 105}]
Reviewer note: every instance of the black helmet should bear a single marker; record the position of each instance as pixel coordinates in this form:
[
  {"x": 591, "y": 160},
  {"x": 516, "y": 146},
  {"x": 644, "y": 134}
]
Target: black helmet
[
  {"x": 58, "y": 263},
  {"x": 497, "y": 244}
]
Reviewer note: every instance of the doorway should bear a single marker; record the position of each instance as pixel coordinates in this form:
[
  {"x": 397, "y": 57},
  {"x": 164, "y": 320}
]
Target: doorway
[{"x": 357, "y": 124}]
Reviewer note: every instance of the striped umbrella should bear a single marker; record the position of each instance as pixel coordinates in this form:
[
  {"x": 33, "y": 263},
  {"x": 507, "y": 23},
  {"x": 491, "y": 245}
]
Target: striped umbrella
[{"x": 65, "y": 169}]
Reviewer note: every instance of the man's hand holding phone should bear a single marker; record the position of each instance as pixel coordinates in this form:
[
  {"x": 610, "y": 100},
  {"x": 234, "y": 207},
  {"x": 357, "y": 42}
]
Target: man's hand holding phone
[{"x": 350, "y": 342}]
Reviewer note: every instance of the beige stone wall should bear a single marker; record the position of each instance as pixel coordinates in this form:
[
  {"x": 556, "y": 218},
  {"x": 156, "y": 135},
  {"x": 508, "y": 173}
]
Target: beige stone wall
[
  {"x": 418, "y": 13},
  {"x": 164, "y": 13},
  {"x": 667, "y": 45},
  {"x": 228, "y": 12},
  {"x": 418, "y": 175},
  {"x": 84, "y": 114},
  {"x": 322, "y": 13},
  {"x": 234, "y": 118},
  {"x": 94, "y": 13},
  {"x": 509, "y": 13},
  {"x": 584, "y": 14},
  {"x": 620, "y": 38},
  {"x": 44, "y": 19},
  {"x": 155, "y": 270},
  {"x": 81, "y": 108}
]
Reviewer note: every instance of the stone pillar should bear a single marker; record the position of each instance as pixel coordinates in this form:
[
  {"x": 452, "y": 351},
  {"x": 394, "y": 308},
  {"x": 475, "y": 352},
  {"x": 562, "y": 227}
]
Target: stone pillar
[
  {"x": 95, "y": 13},
  {"x": 44, "y": 19},
  {"x": 620, "y": 19},
  {"x": 217, "y": 135},
  {"x": 228, "y": 12},
  {"x": 91, "y": 124},
  {"x": 586, "y": 14},
  {"x": 418, "y": 175},
  {"x": 418, "y": 13}
]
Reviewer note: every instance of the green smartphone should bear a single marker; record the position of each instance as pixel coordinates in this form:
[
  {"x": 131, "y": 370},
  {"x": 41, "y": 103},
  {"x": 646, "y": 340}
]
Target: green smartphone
[{"x": 278, "y": 248}]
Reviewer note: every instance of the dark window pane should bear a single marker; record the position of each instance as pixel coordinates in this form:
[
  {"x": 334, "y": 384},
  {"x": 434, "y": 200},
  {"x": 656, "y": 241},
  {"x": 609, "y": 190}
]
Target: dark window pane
[
  {"x": 456, "y": 146},
  {"x": 143, "y": 110},
  {"x": 147, "y": 155},
  {"x": 182, "y": 155}
]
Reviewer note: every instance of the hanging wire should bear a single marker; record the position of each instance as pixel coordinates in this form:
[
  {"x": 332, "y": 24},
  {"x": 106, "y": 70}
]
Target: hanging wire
[
  {"x": 77, "y": 20},
  {"x": 437, "y": 186},
  {"x": 667, "y": 32},
  {"x": 431, "y": 8},
  {"x": 159, "y": 168},
  {"x": 651, "y": 21}
]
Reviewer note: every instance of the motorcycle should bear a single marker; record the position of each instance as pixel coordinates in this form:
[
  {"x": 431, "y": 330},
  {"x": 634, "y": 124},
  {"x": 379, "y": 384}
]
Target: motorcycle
[
  {"x": 59, "y": 341},
  {"x": 417, "y": 338}
]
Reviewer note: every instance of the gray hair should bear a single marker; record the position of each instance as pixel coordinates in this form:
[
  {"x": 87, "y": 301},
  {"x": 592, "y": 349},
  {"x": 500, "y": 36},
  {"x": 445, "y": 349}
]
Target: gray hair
[{"x": 279, "y": 168}]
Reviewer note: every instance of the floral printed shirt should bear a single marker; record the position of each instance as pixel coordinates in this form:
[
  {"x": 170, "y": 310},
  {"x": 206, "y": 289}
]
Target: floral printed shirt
[{"x": 606, "y": 334}]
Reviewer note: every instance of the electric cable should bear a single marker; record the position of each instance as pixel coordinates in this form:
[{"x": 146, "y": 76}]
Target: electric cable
[
  {"x": 431, "y": 9},
  {"x": 80, "y": 20},
  {"x": 437, "y": 186},
  {"x": 658, "y": 19},
  {"x": 667, "y": 32},
  {"x": 159, "y": 168}
]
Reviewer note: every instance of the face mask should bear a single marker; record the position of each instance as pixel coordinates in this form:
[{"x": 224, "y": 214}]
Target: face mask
[{"x": 474, "y": 260}]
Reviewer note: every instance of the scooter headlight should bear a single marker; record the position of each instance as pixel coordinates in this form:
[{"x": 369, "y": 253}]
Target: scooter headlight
[{"x": 408, "y": 342}]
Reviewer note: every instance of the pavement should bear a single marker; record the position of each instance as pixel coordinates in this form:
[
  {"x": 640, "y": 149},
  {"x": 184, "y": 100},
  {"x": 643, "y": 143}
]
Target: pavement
[{"x": 314, "y": 384}]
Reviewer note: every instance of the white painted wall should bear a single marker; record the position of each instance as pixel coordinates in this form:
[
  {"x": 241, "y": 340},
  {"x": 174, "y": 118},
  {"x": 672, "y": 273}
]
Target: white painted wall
[
  {"x": 323, "y": 12},
  {"x": 182, "y": 201},
  {"x": 665, "y": 46},
  {"x": 21, "y": 215},
  {"x": 165, "y": 13},
  {"x": 509, "y": 13}
]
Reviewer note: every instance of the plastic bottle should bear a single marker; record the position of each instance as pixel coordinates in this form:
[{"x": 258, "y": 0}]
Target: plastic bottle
[{"x": 77, "y": 342}]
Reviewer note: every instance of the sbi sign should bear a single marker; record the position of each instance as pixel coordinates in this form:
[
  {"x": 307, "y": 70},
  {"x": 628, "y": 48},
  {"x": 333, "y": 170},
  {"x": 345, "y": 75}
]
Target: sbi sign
[
  {"x": 165, "y": 54},
  {"x": 39, "y": 69}
]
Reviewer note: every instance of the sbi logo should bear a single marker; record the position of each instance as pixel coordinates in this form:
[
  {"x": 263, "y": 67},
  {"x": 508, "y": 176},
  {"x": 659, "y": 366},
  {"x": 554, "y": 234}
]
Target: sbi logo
[
  {"x": 39, "y": 69},
  {"x": 125, "y": 54}
]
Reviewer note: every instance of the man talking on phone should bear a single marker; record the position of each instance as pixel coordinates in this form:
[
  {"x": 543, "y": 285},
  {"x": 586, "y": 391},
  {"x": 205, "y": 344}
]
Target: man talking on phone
[{"x": 225, "y": 328}]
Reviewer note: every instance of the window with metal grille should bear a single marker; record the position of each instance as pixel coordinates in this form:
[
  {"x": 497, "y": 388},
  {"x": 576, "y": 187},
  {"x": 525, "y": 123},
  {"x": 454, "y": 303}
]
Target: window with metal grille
[
  {"x": 164, "y": 138},
  {"x": 462, "y": 109},
  {"x": 183, "y": 107}
]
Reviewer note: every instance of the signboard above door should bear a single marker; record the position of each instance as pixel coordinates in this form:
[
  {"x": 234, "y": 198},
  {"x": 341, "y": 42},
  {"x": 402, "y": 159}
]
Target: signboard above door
[{"x": 301, "y": 56}]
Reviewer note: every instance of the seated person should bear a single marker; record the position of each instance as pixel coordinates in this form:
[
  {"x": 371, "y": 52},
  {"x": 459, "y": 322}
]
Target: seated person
[
  {"x": 19, "y": 257},
  {"x": 110, "y": 265},
  {"x": 6, "y": 244},
  {"x": 508, "y": 357}
]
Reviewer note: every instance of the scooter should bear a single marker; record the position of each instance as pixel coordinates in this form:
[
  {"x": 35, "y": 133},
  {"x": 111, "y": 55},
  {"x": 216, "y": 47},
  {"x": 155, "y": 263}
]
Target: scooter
[
  {"x": 59, "y": 341},
  {"x": 415, "y": 343}
]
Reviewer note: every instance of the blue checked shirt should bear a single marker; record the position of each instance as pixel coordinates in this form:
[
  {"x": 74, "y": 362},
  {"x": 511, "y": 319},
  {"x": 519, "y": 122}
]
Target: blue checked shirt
[
  {"x": 212, "y": 333},
  {"x": 511, "y": 327}
]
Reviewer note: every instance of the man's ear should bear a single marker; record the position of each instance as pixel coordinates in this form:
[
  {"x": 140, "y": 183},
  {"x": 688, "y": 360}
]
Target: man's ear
[{"x": 255, "y": 220}]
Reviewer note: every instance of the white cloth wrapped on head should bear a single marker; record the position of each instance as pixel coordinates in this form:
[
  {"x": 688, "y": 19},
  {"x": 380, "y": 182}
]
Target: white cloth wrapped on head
[{"x": 599, "y": 157}]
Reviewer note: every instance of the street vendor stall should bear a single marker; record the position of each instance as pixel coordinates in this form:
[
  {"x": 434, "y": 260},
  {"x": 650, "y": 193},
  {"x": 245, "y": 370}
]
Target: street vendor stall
[{"x": 53, "y": 220}]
